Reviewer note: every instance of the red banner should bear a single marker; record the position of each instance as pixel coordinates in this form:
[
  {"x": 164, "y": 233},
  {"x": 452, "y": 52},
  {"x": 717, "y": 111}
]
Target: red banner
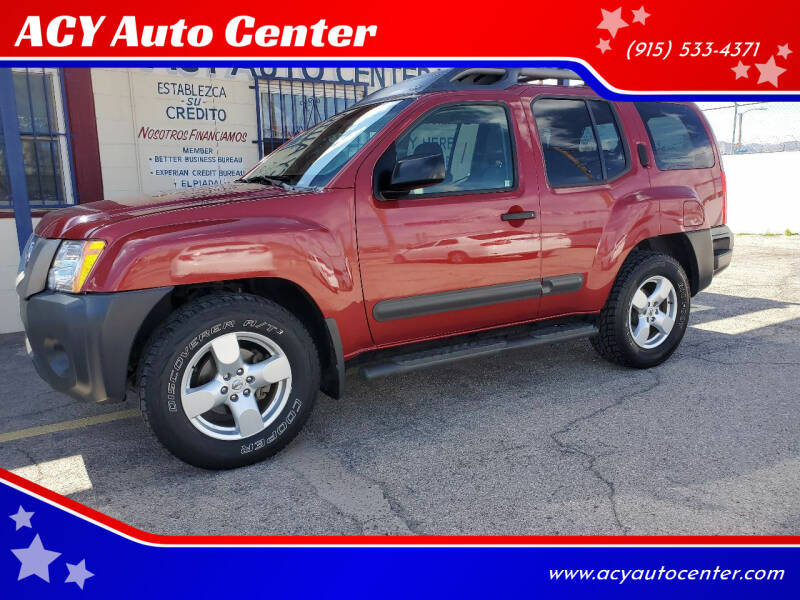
[{"x": 628, "y": 46}]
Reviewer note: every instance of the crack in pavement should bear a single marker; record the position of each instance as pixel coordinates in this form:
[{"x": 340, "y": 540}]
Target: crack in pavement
[
  {"x": 573, "y": 449},
  {"x": 362, "y": 500}
]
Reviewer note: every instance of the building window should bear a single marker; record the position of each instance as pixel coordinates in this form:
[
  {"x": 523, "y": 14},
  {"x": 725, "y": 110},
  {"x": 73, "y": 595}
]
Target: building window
[{"x": 45, "y": 141}]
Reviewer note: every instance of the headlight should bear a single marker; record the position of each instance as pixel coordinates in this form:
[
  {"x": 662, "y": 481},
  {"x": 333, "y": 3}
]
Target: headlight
[{"x": 72, "y": 264}]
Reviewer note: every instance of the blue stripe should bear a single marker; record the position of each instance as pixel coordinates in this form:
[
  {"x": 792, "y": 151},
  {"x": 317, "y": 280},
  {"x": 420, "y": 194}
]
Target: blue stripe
[{"x": 587, "y": 76}]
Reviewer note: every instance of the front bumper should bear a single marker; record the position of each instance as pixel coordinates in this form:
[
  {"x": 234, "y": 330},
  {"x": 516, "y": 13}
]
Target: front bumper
[{"x": 81, "y": 343}]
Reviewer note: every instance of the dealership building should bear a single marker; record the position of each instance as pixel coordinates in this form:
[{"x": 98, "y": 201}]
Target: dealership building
[{"x": 76, "y": 135}]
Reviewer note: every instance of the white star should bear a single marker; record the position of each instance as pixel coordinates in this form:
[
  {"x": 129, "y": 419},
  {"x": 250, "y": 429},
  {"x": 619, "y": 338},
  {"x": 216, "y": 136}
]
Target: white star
[
  {"x": 740, "y": 70},
  {"x": 612, "y": 20},
  {"x": 78, "y": 574},
  {"x": 604, "y": 45},
  {"x": 22, "y": 518},
  {"x": 769, "y": 71},
  {"x": 35, "y": 560},
  {"x": 783, "y": 51},
  {"x": 640, "y": 16}
]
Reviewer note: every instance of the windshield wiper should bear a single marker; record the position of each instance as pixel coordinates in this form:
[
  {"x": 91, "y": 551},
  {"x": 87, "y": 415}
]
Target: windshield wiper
[
  {"x": 275, "y": 180},
  {"x": 278, "y": 181}
]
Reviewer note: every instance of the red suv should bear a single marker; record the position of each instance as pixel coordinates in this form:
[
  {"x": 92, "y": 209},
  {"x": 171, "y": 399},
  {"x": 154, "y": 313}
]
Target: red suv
[{"x": 456, "y": 215}]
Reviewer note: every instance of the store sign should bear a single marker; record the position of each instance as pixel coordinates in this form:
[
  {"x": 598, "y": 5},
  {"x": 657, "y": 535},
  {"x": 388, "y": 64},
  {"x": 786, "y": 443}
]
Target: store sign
[
  {"x": 372, "y": 78},
  {"x": 192, "y": 132}
]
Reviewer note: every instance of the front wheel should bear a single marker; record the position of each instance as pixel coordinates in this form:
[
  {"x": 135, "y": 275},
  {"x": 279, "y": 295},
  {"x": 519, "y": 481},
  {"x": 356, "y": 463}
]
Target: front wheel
[
  {"x": 228, "y": 380},
  {"x": 647, "y": 312}
]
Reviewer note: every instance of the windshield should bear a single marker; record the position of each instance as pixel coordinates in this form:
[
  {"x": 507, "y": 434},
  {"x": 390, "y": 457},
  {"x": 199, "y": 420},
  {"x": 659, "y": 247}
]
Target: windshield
[{"x": 315, "y": 156}]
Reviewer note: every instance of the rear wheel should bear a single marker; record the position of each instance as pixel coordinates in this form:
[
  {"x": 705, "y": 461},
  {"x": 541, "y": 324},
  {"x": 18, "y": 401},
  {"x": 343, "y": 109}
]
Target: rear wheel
[
  {"x": 228, "y": 380},
  {"x": 647, "y": 312}
]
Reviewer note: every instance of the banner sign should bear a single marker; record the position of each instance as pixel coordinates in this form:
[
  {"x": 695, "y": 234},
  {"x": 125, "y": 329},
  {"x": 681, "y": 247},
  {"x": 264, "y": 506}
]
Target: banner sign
[
  {"x": 716, "y": 47},
  {"x": 57, "y": 548}
]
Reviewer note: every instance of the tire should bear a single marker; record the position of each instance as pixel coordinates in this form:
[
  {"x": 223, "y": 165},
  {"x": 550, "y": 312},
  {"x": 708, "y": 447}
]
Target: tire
[
  {"x": 182, "y": 370},
  {"x": 619, "y": 321}
]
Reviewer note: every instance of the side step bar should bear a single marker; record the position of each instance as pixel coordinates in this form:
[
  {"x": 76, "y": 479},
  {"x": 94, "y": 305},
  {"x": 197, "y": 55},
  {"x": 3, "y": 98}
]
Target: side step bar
[{"x": 483, "y": 347}]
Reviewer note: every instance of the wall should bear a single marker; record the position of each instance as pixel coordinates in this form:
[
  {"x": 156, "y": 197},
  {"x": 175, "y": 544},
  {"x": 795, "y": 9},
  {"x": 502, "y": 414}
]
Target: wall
[
  {"x": 763, "y": 196},
  {"x": 83, "y": 131},
  {"x": 9, "y": 263}
]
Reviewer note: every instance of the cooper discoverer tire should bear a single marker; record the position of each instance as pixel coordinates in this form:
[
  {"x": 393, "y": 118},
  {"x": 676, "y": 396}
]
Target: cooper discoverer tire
[
  {"x": 647, "y": 311},
  {"x": 228, "y": 380}
]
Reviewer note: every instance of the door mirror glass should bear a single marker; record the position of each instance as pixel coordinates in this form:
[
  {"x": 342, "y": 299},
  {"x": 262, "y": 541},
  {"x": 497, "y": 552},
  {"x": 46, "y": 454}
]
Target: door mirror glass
[{"x": 417, "y": 171}]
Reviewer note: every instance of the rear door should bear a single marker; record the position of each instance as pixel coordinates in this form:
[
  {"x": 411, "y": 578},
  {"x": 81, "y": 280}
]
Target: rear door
[
  {"x": 444, "y": 259},
  {"x": 588, "y": 169}
]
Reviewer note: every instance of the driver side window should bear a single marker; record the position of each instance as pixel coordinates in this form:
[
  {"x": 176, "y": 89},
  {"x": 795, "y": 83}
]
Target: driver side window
[{"x": 474, "y": 141}]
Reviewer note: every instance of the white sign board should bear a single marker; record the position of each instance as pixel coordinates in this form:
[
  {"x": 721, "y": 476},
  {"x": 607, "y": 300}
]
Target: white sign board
[{"x": 192, "y": 131}]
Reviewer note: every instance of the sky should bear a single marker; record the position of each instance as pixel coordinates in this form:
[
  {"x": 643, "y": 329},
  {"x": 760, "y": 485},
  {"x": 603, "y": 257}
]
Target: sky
[{"x": 773, "y": 122}]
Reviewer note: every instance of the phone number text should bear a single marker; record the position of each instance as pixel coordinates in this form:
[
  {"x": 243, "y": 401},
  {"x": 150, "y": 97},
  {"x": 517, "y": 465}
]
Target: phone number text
[{"x": 662, "y": 50}]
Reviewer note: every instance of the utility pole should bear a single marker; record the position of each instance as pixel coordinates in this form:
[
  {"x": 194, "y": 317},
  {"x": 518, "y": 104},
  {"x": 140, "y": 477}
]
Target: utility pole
[
  {"x": 739, "y": 142},
  {"x": 741, "y": 115}
]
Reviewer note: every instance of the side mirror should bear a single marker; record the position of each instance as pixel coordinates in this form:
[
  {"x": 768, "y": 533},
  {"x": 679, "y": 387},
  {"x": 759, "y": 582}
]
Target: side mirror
[{"x": 416, "y": 172}]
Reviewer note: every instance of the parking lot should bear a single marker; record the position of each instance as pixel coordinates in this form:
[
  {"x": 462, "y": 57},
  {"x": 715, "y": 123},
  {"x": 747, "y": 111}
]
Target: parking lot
[{"x": 548, "y": 440}]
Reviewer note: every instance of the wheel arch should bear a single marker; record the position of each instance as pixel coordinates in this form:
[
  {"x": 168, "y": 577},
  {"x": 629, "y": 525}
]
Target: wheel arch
[
  {"x": 284, "y": 292},
  {"x": 679, "y": 247}
]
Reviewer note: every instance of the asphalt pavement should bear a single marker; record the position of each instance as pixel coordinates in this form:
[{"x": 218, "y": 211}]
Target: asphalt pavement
[{"x": 546, "y": 440}]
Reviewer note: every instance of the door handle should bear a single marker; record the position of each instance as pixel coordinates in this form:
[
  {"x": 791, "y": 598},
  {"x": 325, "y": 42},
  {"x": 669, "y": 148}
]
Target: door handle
[{"x": 519, "y": 216}]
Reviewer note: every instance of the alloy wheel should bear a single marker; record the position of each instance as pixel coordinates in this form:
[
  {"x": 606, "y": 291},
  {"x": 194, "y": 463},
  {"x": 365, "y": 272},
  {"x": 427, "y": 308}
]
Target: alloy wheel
[
  {"x": 652, "y": 312},
  {"x": 236, "y": 385}
]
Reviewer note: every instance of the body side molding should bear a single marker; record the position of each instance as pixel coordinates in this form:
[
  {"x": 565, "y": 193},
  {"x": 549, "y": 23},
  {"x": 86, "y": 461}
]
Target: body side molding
[
  {"x": 429, "y": 304},
  {"x": 562, "y": 284}
]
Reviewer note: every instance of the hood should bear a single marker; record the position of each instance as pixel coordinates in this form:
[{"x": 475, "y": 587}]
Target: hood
[{"x": 78, "y": 222}]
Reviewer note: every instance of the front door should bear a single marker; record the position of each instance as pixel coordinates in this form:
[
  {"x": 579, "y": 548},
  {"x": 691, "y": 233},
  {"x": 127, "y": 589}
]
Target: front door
[{"x": 459, "y": 255}]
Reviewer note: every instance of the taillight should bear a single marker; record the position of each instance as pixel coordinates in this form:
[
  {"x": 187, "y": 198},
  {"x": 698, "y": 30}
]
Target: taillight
[{"x": 724, "y": 197}]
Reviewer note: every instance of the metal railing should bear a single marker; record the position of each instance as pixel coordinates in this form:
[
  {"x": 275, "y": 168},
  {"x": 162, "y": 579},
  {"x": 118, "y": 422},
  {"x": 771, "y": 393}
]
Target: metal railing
[{"x": 285, "y": 107}]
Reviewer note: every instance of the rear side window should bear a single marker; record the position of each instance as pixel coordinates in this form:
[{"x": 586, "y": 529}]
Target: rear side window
[
  {"x": 611, "y": 148},
  {"x": 677, "y": 135},
  {"x": 580, "y": 140}
]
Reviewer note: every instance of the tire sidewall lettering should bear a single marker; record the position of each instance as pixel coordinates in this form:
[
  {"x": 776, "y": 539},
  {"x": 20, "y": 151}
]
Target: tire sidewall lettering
[
  {"x": 278, "y": 431},
  {"x": 172, "y": 349}
]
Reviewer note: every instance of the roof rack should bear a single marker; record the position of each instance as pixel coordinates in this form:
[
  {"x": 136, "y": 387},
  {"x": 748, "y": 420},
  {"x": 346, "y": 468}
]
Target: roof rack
[{"x": 470, "y": 79}]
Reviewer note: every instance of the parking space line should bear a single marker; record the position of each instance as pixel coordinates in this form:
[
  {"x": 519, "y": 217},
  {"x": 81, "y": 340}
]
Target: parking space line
[{"x": 67, "y": 425}]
